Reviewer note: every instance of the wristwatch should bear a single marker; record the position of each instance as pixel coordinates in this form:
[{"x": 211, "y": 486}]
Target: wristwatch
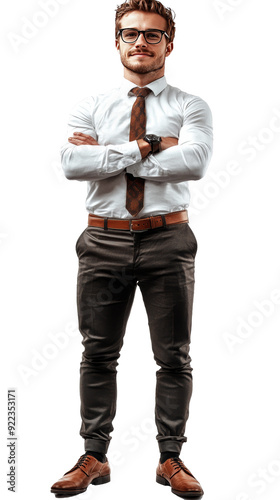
[{"x": 155, "y": 141}]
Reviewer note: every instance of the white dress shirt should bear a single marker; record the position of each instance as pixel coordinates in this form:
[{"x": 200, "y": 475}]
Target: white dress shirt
[{"x": 170, "y": 113}]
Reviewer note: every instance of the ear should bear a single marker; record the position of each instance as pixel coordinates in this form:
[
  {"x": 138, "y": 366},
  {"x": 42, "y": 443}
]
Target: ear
[
  {"x": 117, "y": 44},
  {"x": 169, "y": 49}
]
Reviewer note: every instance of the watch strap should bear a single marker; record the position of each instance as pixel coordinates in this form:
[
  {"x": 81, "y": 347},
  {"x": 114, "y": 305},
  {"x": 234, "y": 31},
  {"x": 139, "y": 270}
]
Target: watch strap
[{"x": 155, "y": 147}]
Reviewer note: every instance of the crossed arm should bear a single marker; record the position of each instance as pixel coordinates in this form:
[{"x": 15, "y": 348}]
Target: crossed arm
[
  {"x": 180, "y": 158},
  {"x": 79, "y": 139}
]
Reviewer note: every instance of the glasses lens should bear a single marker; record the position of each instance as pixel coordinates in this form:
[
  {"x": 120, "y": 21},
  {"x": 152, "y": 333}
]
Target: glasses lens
[
  {"x": 153, "y": 36},
  {"x": 129, "y": 36}
]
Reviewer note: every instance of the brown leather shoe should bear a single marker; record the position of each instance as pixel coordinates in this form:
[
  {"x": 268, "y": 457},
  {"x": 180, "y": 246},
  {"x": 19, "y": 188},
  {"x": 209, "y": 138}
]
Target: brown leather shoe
[
  {"x": 88, "y": 470},
  {"x": 174, "y": 473}
]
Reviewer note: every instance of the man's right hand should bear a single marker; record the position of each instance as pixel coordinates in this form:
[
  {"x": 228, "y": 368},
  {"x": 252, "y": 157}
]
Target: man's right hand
[{"x": 79, "y": 139}]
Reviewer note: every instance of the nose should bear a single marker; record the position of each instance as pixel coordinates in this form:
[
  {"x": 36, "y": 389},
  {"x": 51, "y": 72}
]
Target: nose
[{"x": 141, "y": 41}]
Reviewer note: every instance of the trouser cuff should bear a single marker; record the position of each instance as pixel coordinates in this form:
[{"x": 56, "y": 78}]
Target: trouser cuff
[
  {"x": 96, "y": 445},
  {"x": 171, "y": 444}
]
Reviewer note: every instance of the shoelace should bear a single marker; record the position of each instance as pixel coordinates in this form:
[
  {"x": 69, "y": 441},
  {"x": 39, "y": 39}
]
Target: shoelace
[
  {"x": 82, "y": 462},
  {"x": 179, "y": 465}
]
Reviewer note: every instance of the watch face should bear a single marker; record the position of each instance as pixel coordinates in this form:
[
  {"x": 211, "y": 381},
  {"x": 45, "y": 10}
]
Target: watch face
[{"x": 153, "y": 138}]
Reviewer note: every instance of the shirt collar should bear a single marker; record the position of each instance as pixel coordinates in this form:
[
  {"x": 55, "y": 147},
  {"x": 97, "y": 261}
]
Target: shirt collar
[{"x": 157, "y": 86}]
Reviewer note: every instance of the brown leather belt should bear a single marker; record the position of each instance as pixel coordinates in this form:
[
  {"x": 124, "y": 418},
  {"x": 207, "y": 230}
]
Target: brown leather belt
[{"x": 135, "y": 225}]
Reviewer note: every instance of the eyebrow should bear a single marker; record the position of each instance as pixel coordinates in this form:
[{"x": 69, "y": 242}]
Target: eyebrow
[{"x": 133, "y": 28}]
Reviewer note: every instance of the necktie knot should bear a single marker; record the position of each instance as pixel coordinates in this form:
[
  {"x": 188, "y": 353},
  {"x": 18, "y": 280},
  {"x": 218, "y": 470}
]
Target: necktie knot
[{"x": 141, "y": 92}]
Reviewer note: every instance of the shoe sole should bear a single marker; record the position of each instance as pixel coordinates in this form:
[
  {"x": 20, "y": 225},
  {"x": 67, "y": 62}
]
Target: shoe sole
[
  {"x": 69, "y": 493},
  {"x": 182, "y": 494}
]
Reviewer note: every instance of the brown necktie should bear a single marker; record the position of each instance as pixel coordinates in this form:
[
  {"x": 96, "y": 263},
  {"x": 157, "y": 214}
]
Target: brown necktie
[{"x": 135, "y": 185}]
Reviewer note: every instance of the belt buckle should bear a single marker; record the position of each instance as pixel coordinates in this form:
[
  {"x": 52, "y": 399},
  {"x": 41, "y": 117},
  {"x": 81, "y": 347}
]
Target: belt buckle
[{"x": 136, "y": 230}]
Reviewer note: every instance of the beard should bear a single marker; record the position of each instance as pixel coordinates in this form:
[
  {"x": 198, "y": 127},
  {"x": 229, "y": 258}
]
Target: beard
[{"x": 142, "y": 68}]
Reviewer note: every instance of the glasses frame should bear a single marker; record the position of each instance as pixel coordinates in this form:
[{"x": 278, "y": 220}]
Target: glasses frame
[{"x": 120, "y": 33}]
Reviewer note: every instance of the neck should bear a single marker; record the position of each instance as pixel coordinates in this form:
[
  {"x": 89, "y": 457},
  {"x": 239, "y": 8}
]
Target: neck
[{"x": 142, "y": 80}]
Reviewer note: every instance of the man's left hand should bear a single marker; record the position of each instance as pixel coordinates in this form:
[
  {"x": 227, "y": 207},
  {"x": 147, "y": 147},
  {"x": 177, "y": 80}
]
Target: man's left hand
[{"x": 80, "y": 139}]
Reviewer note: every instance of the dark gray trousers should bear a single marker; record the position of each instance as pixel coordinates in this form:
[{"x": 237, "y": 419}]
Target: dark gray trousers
[{"x": 111, "y": 264}]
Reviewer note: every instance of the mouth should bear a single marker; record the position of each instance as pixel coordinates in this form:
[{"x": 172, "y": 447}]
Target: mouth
[{"x": 140, "y": 54}]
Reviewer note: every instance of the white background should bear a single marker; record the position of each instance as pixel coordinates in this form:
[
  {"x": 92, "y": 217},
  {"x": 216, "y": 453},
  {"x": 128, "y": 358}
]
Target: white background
[{"x": 226, "y": 52}]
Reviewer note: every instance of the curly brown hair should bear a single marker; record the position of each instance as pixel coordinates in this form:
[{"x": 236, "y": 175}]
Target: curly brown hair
[{"x": 147, "y": 6}]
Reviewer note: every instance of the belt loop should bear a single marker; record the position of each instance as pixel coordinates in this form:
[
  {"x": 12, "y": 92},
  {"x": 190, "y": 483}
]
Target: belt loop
[
  {"x": 105, "y": 223},
  {"x": 163, "y": 221},
  {"x": 153, "y": 222}
]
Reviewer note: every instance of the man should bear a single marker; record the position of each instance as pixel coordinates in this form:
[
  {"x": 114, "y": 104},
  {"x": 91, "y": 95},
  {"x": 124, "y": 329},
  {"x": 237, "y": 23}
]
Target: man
[{"x": 137, "y": 147}]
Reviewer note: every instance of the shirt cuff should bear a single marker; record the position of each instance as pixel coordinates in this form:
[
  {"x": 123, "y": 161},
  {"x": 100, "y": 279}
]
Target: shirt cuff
[{"x": 131, "y": 150}]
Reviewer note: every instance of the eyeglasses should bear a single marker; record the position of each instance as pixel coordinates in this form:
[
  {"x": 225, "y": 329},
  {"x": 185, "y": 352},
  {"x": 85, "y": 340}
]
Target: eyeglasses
[{"x": 130, "y": 35}]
